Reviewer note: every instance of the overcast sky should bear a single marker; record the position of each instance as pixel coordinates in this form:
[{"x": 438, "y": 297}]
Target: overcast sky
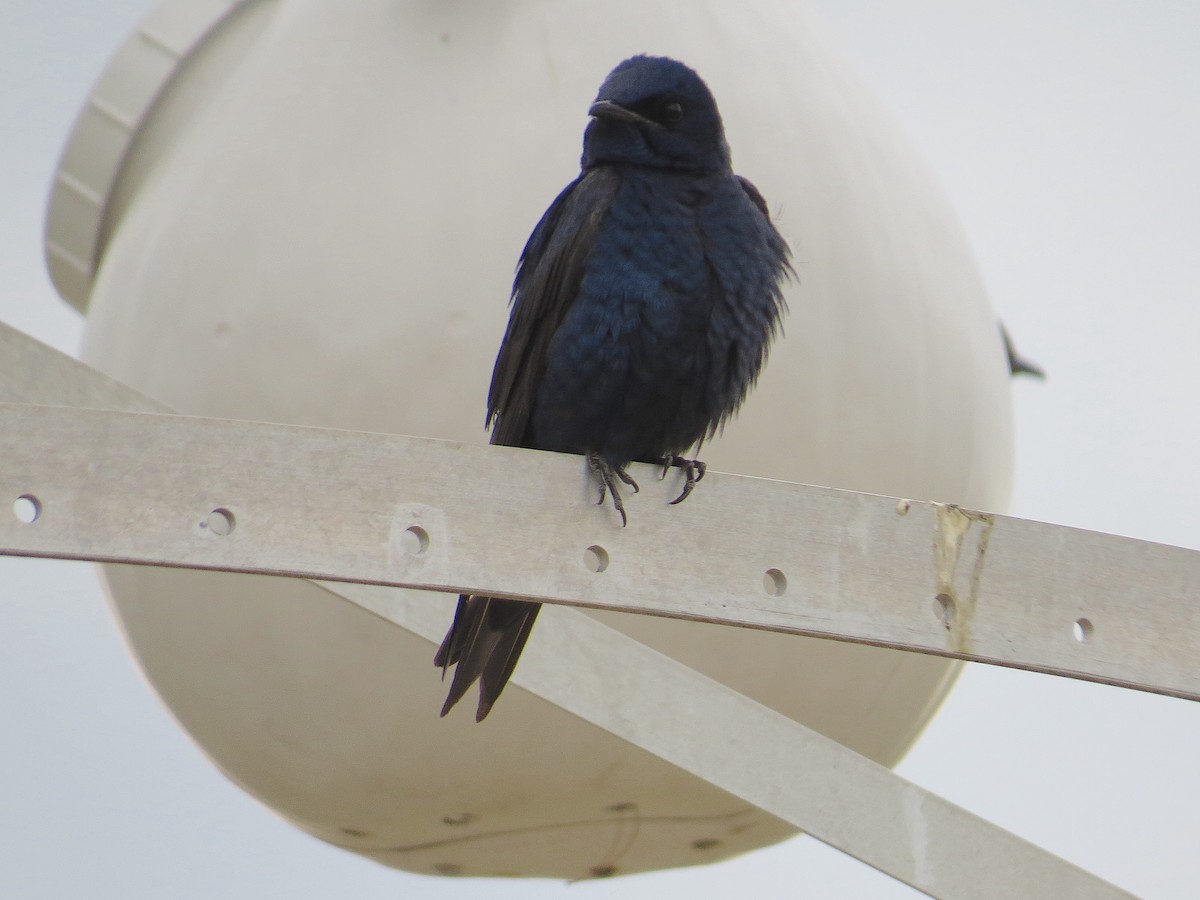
[{"x": 1067, "y": 135}]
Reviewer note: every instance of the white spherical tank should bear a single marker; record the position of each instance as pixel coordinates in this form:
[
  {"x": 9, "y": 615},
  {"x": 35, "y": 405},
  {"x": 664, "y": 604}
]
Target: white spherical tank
[{"x": 315, "y": 218}]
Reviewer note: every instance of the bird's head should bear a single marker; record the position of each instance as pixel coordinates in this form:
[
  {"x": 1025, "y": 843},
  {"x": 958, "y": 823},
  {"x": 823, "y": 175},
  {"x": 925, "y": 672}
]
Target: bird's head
[{"x": 655, "y": 111}]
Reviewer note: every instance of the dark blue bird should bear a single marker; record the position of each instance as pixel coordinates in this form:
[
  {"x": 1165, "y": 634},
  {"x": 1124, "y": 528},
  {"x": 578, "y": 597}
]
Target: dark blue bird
[{"x": 642, "y": 309}]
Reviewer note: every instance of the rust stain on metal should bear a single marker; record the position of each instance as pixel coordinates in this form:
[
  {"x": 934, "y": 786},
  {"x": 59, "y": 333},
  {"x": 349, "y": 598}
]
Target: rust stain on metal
[{"x": 955, "y": 606}]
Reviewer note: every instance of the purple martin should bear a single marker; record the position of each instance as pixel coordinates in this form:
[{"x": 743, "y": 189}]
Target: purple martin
[
  {"x": 642, "y": 309},
  {"x": 1017, "y": 364}
]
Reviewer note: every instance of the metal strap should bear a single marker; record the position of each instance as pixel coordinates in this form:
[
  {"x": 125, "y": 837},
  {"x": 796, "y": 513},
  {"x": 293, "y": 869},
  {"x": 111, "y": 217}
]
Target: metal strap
[{"x": 169, "y": 490}]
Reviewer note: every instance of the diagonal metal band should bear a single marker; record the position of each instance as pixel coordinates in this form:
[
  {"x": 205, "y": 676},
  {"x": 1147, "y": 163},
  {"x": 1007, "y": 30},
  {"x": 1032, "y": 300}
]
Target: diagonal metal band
[{"x": 168, "y": 490}]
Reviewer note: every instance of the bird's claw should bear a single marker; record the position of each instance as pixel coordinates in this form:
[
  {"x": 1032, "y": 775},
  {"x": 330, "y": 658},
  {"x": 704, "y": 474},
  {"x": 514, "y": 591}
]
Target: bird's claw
[
  {"x": 693, "y": 470},
  {"x": 605, "y": 472}
]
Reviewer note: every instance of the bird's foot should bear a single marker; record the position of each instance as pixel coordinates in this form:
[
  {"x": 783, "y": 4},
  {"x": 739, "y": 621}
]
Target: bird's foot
[
  {"x": 693, "y": 470},
  {"x": 607, "y": 474}
]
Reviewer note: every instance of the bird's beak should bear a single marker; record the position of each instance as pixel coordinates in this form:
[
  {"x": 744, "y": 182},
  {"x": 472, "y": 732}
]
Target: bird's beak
[{"x": 607, "y": 109}]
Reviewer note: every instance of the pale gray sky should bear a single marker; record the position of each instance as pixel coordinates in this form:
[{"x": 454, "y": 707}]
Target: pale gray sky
[{"x": 1066, "y": 135}]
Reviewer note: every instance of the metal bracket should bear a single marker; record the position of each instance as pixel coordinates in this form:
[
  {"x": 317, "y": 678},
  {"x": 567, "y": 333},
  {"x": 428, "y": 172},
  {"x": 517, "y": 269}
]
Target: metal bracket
[{"x": 388, "y": 510}]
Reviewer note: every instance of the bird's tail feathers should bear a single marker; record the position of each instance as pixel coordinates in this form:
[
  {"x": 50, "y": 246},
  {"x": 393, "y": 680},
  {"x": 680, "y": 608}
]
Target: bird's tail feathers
[{"x": 483, "y": 645}]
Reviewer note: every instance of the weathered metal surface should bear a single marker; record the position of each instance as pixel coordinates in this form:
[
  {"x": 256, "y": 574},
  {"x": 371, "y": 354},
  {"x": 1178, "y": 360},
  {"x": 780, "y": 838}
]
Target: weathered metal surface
[
  {"x": 413, "y": 512},
  {"x": 167, "y": 490},
  {"x": 835, "y": 795}
]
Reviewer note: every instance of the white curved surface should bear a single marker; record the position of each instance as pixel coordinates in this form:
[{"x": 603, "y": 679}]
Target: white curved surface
[
  {"x": 318, "y": 224},
  {"x": 106, "y": 129}
]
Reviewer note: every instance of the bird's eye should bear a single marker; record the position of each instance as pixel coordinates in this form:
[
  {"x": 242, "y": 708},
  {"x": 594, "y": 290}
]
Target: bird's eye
[{"x": 672, "y": 112}]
